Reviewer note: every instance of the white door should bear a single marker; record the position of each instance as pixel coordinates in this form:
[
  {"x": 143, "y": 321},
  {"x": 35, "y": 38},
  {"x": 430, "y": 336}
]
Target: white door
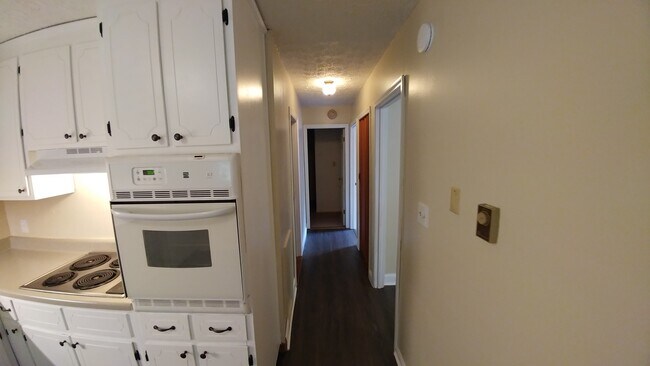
[
  {"x": 194, "y": 72},
  {"x": 134, "y": 102},
  {"x": 94, "y": 352},
  {"x": 170, "y": 355},
  {"x": 12, "y": 170},
  {"x": 19, "y": 344},
  {"x": 50, "y": 349},
  {"x": 222, "y": 355},
  {"x": 46, "y": 105},
  {"x": 88, "y": 93},
  {"x": 6, "y": 353}
]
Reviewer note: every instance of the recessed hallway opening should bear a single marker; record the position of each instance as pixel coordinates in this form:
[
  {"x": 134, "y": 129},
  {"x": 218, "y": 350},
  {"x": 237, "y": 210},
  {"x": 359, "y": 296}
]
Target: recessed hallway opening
[{"x": 339, "y": 318}]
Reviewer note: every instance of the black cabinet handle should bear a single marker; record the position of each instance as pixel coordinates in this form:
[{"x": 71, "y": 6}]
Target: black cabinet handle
[
  {"x": 178, "y": 136},
  {"x": 2, "y": 308},
  {"x": 13, "y": 331},
  {"x": 204, "y": 355},
  {"x": 82, "y": 136},
  {"x": 74, "y": 345},
  {"x": 62, "y": 343},
  {"x": 219, "y": 331},
  {"x": 164, "y": 329},
  {"x": 184, "y": 354},
  {"x": 20, "y": 190},
  {"x": 155, "y": 137},
  {"x": 67, "y": 136}
]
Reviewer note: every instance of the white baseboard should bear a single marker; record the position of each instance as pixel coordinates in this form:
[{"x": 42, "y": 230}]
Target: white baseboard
[
  {"x": 398, "y": 357},
  {"x": 290, "y": 319},
  {"x": 390, "y": 279}
]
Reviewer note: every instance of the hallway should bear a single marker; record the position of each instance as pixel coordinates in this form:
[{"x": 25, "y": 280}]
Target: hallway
[{"x": 339, "y": 318}]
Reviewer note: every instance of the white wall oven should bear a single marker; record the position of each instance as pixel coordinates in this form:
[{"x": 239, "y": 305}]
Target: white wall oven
[{"x": 176, "y": 228}]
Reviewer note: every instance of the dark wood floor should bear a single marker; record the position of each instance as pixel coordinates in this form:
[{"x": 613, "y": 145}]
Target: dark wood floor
[{"x": 339, "y": 318}]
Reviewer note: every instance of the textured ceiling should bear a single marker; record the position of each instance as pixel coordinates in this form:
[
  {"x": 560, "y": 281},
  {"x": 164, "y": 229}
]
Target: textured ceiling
[
  {"x": 18, "y": 17},
  {"x": 339, "y": 39}
]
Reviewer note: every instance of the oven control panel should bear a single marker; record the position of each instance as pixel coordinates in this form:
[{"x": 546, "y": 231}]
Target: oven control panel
[{"x": 147, "y": 176}]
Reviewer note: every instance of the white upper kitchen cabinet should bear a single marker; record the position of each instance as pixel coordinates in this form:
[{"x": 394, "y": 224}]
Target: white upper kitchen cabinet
[
  {"x": 194, "y": 72},
  {"x": 88, "y": 94},
  {"x": 134, "y": 97},
  {"x": 46, "y": 104}
]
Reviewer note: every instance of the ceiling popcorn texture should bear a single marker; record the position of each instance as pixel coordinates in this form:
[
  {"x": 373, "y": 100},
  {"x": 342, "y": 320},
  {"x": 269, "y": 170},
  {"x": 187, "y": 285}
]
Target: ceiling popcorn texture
[
  {"x": 332, "y": 39},
  {"x": 18, "y": 17}
]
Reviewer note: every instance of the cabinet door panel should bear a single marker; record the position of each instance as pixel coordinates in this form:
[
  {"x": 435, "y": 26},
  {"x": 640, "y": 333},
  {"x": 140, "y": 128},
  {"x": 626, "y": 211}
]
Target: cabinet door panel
[
  {"x": 133, "y": 71},
  {"x": 12, "y": 169},
  {"x": 223, "y": 355},
  {"x": 88, "y": 93},
  {"x": 6, "y": 353},
  {"x": 47, "y": 350},
  {"x": 194, "y": 69},
  {"x": 92, "y": 352},
  {"x": 170, "y": 355},
  {"x": 46, "y": 105}
]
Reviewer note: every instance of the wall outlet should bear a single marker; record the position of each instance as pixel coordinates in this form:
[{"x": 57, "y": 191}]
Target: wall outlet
[
  {"x": 423, "y": 214},
  {"x": 24, "y": 227},
  {"x": 454, "y": 200}
]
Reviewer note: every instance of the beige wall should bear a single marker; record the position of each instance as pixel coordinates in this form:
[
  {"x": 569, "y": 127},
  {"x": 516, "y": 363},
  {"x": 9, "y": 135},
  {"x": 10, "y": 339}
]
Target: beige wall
[
  {"x": 540, "y": 108},
  {"x": 84, "y": 214},
  {"x": 317, "y": 115},
  {"x": 4, "y": 227}
]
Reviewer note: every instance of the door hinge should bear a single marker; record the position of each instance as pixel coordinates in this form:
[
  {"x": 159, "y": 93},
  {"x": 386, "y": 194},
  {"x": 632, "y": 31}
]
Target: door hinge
[
  {"x": 344, "y": 212},
  {"x": 232, "y": 123},
  {"x": 6, "y": 331},
  {"x": 136, "y": 354},
  {"x": 108, "y": 128},
  {"x": 146, "y": 356},
  {"x": 0, "y": 336},
  {"x": 22, "y": 132},
  {"x": 224, "y": 16},
  {"x": 25, "y": 337},
  {"x": 101, "y": 29},
  {"x": 18, "y": 70},
  {"x": 250, "y": 360}
]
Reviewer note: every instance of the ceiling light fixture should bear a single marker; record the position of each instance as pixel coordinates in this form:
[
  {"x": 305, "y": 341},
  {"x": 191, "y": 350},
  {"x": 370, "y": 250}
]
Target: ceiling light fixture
[{"x": 328, "y": 87}]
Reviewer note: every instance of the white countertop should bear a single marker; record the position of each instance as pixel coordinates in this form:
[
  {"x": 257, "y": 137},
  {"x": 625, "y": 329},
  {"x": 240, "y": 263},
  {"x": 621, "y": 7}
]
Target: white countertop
[{"x": 23, "y": 260}]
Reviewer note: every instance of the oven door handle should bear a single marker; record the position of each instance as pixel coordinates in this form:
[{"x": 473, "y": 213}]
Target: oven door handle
[{"x": 172, "y": 217}]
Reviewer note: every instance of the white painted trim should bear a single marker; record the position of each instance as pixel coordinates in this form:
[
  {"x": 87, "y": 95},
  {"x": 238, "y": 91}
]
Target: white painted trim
[
  {"x": 398, "y": 357},
  {"x": 290, "y": 318},
  {"x": 346, "y": 133},
  {"x": 390, "y": 279},
  {"x": 258, "y": 15}
]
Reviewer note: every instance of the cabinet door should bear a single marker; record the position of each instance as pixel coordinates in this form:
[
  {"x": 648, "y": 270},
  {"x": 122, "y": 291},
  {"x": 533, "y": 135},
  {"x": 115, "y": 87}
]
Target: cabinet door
[
  {"x": 46, "y": 105},
  {"x": 194, "y": 70},
  {"x": 135, "y": 95},
  {"x": 222, "y": 355},
  {"x": 12, "y": 169},
  {"x": 88, "y": 93},
  {"x": 50, "y": 349},
  {"x": 170, "y": 354},
  {"x": 6, "y": 353},
  {"x": 18, "y": 343},
  {"x": 93, "y": 352}
]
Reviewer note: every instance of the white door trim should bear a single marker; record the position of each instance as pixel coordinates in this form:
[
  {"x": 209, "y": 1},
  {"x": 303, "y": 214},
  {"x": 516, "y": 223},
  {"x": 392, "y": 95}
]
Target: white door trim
[{"x": 346, "y": 144}]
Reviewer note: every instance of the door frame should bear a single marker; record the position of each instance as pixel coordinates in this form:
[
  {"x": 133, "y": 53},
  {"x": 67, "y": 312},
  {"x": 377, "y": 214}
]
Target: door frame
[
  {"x": 396, "y": 90},
  {"x": 357, "y": 119},
  {"x": 353, "y": 188},
  {"x": 346, "y": 172}
]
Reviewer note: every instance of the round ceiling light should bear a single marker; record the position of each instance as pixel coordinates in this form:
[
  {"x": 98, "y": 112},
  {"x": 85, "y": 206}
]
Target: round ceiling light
[
  {"x": 425, "y": 37},
  {"x": 328, "y": 87}
]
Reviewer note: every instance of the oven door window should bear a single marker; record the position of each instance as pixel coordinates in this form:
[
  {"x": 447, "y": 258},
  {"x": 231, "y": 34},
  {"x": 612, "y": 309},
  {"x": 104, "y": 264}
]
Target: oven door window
[{"x": 177, "y": 249}]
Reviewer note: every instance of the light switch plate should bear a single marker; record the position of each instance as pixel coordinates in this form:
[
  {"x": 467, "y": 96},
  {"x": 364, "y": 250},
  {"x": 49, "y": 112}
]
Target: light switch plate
[
  {"x": 454, "y": 200},
  {"x": 423, "y": 214}
]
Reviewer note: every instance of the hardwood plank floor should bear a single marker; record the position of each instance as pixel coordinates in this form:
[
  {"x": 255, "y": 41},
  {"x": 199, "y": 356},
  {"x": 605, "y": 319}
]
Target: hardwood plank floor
[{"x": 339, "y": 319}]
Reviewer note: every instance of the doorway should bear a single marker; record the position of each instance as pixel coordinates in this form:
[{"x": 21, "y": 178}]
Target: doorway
[
  {"x": 327, "y": 175},
  {"x": 364, "y": 188}
]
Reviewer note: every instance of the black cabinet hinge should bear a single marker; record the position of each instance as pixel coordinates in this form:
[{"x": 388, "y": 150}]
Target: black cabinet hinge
[
  {"x": 1, "y": 336},
  {"x": 18, "y": 70},
  {"x": 25, "y": 337},
  {"x": 232, "y": 123},
  {"x": 6, "y": 331},
  {"x": 22, "y": 132},
  {"x": 224, "y": 16},
  {"x": 101, "y": 30},
  {"x": 108, "y": 128},
  {"x": 250, "y": 360},
  {"x": 146, "y": 356},
  {"x": 136, "y": 354}
]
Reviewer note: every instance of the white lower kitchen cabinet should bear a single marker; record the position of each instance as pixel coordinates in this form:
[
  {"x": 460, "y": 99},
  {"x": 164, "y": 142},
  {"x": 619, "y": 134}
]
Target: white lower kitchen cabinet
[
  {"x": 6, "y": 354},
  {"x": 211, "y": 355},
  {"x": 169, "y": 354},
  {"x": 18, "y": 341},
  {"x": 95, "y": 352},
  {"x": 50, "y": 349}
]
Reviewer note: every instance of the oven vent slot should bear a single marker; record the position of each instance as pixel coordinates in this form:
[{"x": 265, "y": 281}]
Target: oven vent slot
[
  {"x": 122, "y": 195},
  {"x": 229, "y": 306},
  {"x": 179, "y": 194},
  {"x": 142, "y": 194},
  {"x": 221, "y": 193},
  {"x": 163, "y": 194},
  {"x": 200, "y": 193}
]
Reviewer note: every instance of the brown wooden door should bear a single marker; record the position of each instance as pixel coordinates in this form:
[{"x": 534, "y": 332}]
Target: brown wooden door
[{"x": 364, "y": 186}]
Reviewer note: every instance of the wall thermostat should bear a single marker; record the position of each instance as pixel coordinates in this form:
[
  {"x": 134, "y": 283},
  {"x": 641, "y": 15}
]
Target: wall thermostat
[{"x": 487, "y": 222}]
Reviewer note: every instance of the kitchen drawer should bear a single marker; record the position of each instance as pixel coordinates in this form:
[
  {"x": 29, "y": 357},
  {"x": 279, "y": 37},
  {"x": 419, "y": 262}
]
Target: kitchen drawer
[
  {"x": 222, "y": 355},
  {"x": 7, "y": 308},
  {"x": 164, "y": 326},
  {"x": 114, "y": 324},
  {"x": 219, "y": 327},
  {"x": 39, "y": 315}
]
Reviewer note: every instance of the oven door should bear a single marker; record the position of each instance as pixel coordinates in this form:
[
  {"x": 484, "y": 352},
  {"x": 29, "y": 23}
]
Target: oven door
[{"x": 179, "y": 250}]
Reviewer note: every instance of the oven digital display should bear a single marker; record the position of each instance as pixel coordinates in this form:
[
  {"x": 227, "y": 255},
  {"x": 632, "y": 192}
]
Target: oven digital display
[{"x": 148, "y": 172}]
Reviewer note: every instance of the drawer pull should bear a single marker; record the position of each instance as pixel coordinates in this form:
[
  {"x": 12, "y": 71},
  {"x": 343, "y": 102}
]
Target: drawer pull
[
  {"x": 184, "y": 354},
  {"x": 204, "y": 355},
  {"x": 164, "y": 329},
  {"x": 219, "y": 331},
  {"x": 74, "y": 345},
  {"x": 2, "y": 308},
  {"x": 62, "y": 343},
  {"x": 13, "y": 331}
]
